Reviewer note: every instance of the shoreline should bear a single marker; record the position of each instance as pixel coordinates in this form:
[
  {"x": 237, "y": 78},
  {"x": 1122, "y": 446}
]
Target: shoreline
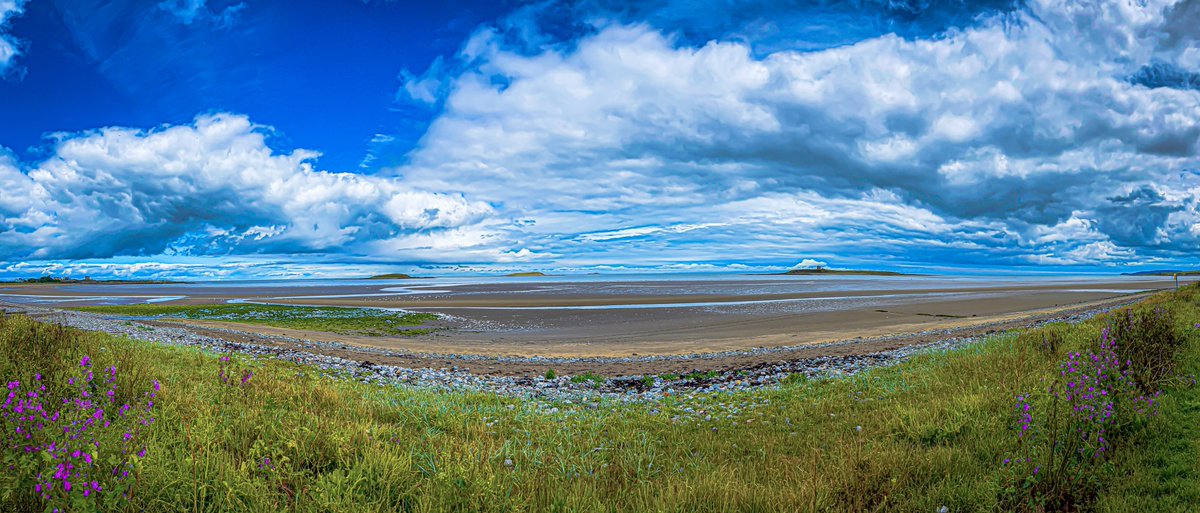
[{"x": 718, "y": 372}]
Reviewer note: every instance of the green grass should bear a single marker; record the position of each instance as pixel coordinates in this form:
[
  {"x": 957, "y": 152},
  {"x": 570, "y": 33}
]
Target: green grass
[
  {"x": 927, "y": 433},
  {"x": 349, "y": 321},
  {"x": 588, "y": 377}
]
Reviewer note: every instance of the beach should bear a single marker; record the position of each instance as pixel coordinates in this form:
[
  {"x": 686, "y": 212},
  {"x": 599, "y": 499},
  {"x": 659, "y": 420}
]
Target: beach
[{"x": 625, "y": 317}]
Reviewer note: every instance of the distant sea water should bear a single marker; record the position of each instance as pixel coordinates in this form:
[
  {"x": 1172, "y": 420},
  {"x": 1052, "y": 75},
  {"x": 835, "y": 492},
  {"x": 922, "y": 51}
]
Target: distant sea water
[{"x": 724, "y": 284}]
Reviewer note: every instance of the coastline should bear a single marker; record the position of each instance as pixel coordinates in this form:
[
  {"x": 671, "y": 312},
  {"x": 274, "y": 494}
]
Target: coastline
[{"x": 638, "y": 378}]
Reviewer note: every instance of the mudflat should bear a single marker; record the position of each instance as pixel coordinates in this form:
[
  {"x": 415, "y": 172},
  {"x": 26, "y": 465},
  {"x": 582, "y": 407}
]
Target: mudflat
[{"x": 560, "y": 317}]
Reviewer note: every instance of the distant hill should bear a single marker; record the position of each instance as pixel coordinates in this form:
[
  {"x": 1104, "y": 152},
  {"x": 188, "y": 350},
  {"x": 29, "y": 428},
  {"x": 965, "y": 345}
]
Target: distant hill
[
  {"x": 819, "y": 270},
  {"x": 392, "y": 276},
  {"x": 1160, "y": 272},
  {"x": 525, "y": 274}
]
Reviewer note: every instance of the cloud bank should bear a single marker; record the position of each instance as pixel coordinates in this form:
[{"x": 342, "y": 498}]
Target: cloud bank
[
  {"x": 958, "y": 134},
  {"x": 1045, "y": 134}
]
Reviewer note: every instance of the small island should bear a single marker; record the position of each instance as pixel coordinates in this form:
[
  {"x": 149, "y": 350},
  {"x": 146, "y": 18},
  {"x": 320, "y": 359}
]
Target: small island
[
  {"x": 529, "y": 274},
  {"x": 392, "y": 276},
  {"x": 822, "y": 270}
]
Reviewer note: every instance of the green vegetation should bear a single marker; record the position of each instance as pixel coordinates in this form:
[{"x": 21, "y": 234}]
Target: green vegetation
[
  {"x": 530, "y": 274},
  {"x": 346, "y": 321},
  {"x": 550, "y": 374},
  {"x": 392, "y": 276},
  {"x": 931, "y": 432},
  {"x": 588, "y": 377}
]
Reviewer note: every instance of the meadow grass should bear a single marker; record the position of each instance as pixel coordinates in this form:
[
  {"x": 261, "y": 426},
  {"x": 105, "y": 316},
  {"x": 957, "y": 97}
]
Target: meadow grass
[
  {"x": 930, "y": 432},
  {"x": 347, "y": 321}
]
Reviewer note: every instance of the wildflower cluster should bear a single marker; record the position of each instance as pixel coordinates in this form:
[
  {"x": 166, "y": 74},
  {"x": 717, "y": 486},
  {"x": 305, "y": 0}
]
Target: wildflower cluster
[
  {"x": 80, "y": 450},
  {"x": 231, "y": 375},
  {"x": 1066, "y": 434}
]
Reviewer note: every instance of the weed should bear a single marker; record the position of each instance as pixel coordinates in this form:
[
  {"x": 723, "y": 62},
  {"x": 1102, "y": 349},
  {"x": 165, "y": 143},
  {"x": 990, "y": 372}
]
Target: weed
[{"x": 588, "y": 377}]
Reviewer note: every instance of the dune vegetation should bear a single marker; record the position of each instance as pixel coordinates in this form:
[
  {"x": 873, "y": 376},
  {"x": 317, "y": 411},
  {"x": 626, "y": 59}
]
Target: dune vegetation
[
  {"x": 1101, "y": 415},
  {"x": 346, "y": 321}
]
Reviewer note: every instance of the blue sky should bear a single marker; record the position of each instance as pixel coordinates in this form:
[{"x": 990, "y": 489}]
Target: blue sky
[{"x": 242, "y": 139}]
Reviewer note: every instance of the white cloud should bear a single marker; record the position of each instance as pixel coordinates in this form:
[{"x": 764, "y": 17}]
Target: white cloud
[
  {"x": 644, "y": 231},
  {"x": 212, "y": 187},
  {"x": 9, "y": 47},
  {"x": 809, "y": 263},
  {"x": 997, "y": 135}
]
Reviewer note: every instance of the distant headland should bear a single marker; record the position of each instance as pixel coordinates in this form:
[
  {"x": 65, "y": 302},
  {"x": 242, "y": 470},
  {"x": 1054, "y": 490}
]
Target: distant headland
[
  {"x": 529, "y": 274},
  {"x": 89, "y": 281},
  {"x": 1164, "y": 272}
]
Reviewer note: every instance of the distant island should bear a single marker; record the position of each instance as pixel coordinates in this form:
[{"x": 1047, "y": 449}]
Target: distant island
[
  {"x": 394, "y": 276},
  {"x": 89, "y": 280},
  {"x": 821, "y": 270},
  {"x": 1163, "y": 273},
  {"x": 529, "y": 274}
]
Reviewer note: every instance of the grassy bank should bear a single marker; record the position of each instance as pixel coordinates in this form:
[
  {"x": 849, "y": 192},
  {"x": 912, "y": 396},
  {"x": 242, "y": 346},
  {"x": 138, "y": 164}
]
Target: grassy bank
[
  {"x": 347, "y": 321},
  {"x": 932, "y": 432}
]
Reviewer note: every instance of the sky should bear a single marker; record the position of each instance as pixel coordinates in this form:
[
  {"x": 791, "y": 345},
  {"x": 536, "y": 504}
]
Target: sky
[{"x": 253, "y": 138}]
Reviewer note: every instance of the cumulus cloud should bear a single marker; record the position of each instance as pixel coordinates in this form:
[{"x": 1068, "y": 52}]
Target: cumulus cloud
[
  {"x": 995, "y": 140},
  {"x": 211, "y": 187},
  {"x": 10, "y": 48},
  {"x": 809, "y": 263}
]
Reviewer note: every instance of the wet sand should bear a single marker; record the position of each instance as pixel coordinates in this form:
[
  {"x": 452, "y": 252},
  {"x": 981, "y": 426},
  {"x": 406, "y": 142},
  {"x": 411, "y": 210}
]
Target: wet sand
[{"x": 416, "y": 354}]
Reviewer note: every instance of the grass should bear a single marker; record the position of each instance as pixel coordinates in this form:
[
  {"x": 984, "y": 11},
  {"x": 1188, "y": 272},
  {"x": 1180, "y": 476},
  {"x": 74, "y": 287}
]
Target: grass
[
  {"x": 588, "y": 377},
  {"x": 348, "y": 321},
  {"x": 928, "y": 433}
]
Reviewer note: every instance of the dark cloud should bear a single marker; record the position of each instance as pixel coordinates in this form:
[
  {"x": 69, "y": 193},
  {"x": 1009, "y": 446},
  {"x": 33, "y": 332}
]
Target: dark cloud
[{"x": 1161, "y": 74}]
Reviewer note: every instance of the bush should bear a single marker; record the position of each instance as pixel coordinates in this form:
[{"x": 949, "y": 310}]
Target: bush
[{"x": 1148, "y": 343}]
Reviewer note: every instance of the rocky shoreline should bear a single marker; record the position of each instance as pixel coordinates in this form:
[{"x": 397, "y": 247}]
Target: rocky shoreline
[{"x": 622, "y": 388}]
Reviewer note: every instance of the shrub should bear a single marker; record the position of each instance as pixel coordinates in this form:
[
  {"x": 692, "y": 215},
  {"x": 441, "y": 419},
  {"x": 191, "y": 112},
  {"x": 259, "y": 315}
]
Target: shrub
[{"x": 1148, "y": 343}]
